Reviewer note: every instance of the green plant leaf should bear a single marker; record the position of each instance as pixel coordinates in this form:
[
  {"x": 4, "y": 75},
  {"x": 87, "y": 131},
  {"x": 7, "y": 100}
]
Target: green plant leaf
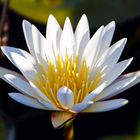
[{"x": 97, "y": 11}]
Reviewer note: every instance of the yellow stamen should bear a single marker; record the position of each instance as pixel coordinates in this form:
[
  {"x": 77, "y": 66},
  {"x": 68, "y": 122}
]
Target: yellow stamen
[{"x": 66, "y": 73}]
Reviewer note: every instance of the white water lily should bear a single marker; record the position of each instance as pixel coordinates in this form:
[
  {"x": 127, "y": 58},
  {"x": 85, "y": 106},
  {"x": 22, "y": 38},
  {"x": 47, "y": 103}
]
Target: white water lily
[{"x": 67, "y": 72}]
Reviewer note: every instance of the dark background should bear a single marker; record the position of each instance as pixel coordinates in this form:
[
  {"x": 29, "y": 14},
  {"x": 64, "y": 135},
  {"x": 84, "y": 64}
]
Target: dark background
[{"x": 32, "y": 124}]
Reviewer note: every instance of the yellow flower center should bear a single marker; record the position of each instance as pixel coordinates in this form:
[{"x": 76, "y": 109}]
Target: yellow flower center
[{"x": 67, "y": 73}]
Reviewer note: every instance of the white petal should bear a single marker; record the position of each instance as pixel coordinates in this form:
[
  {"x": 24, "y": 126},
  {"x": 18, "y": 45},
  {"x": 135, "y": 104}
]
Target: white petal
[
  {"x": 50, "y": 52},
  {"x": 82, "y": 106},
  {"x": 26, "y": 100},
  {"x": 39, "y": 42},
  {"x": 67, "y": 41},
  {"x": 39, "y": 93},
  {"x": 8, "y": 50},
  {"x": 43, "y": 47},
  {"x": 116, "y": 87},
  {"x": 65, "y": 96},
  {"x": 35, "y": 42},
  {"x": 117, "y": 71},
  {"x": 16, "y": 80},
  {"x": 82, "y": 47},
  {"x": 95, "y": 93},
  {"x": 19, "y": 84},
  {"x": 24, "y": 66},
  {"x": 49, "y": 106},
  {"x": 112, "y": 54},
  {"x": 27, "y": 29},
  {"x": 53, "y": 33},
  {"x": 107, "y": 36},
  {"x": 82, "y": 34},
  {"x": 93, "y": 47},
  {"x": 106, "y": 105},
  {"x": 21, "y": 62},
  {"x": 4, "y": 71}
]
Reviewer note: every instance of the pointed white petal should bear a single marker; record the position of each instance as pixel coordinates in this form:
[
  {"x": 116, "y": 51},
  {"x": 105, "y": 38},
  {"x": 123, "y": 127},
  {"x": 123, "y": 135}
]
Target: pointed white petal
[
  {"x": 25, "y": 100},
  {"x": 116, "y": 87},
  {"x": 19, "y": 84},
  {"x": 129, "y": 75},
  {"x": 95, "y": 93},
  {"x": 82, "y": 47},
  {"x": 21, "y": 62},
  {"x": 112, "y": 55},
  {"x": 117, "y": 71},
  {"x": 4, "y": 71},
  {"x": 50, "y": 52},
  {"x": 35, "y": 42},
  {"x": 82, "y": 34},
  {"x": 59, "y": 118},
  {"x": 65, "y": 96},
  {"x": 24, "y": 66},
  {"x": 43, "y": 47},
  {"x": 39, "y": 42},
  {"x": 8, "y": 50},
  {"x": 67, "y": 41},
  {"x": 82, "y": 106},
  {"x": 53, "y": 33},
  {"x": 106, "y": 105},
  {"x": 93, "y": 47},
  {"x": 107, "y": 36},
  {"x": 27, "y": 29},
  {"x": 16, "y": 80}
]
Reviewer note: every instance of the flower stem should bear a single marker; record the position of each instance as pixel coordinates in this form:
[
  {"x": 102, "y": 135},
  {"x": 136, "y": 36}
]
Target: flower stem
[{"x": 69, "y": 130}]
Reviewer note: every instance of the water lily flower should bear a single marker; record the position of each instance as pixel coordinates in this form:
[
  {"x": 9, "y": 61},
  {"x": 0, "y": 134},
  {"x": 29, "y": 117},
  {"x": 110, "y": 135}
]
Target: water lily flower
[{"x": 67, "y": 72}]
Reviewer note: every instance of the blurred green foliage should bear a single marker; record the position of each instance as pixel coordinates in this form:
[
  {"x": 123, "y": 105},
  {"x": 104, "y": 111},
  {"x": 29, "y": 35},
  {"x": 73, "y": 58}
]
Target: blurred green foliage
[
  {"x": 136, "y": 136},
  {"x": 2, "y": 129},
  {"x": 99, "y": 11}
]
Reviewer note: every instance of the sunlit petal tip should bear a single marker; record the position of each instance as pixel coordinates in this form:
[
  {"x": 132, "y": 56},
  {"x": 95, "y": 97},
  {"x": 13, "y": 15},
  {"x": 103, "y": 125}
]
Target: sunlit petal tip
[
  {"x": 111, "y": 27},
  {"x": 125, "y": 102},
  {"x": 137, "y": 73},
  {"x": 112, "y": 24},
  {"x": 67, "y": 23},
  {"x": 83, "y": 22},
  {"x": 52, "y": 19},
  {"x": 124, "y": 40},
  {"x": 51, "y": 16},
  {"x": 131, "y": 59},
  {"x": 121, "y": 42},
  {"x": 24, "y": 22},
  {"x": 84, "y": 17},
  {"x": 3, "y": 49}
]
